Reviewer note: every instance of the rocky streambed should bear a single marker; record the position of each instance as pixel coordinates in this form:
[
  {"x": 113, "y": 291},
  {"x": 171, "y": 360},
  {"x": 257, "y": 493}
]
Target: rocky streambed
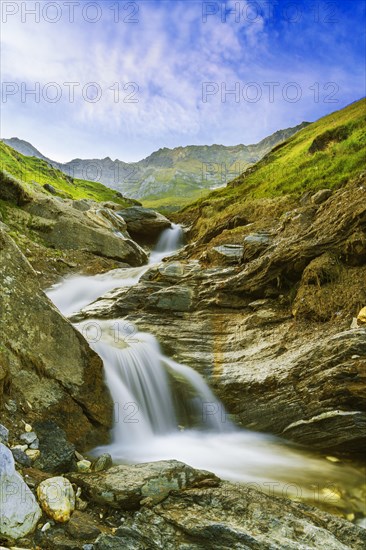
[{"x": 274, "y": 368}]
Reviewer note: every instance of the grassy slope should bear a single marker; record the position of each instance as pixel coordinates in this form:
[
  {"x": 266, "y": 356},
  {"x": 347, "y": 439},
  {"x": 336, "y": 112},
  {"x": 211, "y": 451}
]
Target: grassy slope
[
  {"x": 34, "y": 173},
  {"x": 290, "y": 169}
]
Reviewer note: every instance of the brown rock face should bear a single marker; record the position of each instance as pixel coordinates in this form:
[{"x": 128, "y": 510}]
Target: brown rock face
[{"x": 51, "y": 368}]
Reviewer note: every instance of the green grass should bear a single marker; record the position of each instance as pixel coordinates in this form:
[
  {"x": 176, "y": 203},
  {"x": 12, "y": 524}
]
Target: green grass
[
  {"x": 325, "y": 154},
  {"x": 33, "y": 173}
]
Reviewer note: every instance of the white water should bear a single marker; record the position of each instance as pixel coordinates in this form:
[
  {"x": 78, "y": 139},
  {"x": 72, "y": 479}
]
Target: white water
[{"x": 165, "y": 410}]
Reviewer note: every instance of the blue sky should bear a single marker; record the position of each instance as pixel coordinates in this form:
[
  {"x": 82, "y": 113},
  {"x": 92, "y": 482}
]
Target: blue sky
[{"x": 159, "y": 73}]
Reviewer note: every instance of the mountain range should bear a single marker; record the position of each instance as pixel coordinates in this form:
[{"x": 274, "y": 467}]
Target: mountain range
[{"x": 167, "y": 178}]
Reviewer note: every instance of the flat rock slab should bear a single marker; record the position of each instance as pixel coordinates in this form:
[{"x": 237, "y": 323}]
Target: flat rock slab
[{"x": 127, "y": 487}]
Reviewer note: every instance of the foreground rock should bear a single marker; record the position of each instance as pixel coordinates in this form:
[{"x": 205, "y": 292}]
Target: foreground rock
[
  {"x": 57, "y": 498},
  {"x": 129, "y": 487},
  {"x": 144, "y": 223},
  {"x": 19, "y": 511},
  {"x": 52, "y": 371}
]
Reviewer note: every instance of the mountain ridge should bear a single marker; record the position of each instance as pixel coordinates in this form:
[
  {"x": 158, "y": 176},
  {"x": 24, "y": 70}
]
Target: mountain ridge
[{"x": 171, "y": 176}]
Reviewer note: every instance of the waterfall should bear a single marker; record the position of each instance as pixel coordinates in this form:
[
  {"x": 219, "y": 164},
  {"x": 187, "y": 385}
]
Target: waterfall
[
  {"x": 165, "y": 410},
  {"x": 169, "y": 242},
  {"x": 152, "y": 394}
]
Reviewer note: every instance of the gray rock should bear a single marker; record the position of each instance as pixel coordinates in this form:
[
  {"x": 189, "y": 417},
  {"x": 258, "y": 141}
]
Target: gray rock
[
  {"x": 57, "y": 453},
  {"x": 96, "y": 230},
  {"x": 19, "y": 509},
  {"x": 172, "y": 299},
  {"x": 103, "y": 462},
  {"x": 129, "y": 487},
  {"x": 229, "y": 516},
  {"x": 61, "y": 376},
  {"x": 28, "y": 437},
  {"x": 254, "y": 244},
  {"x": 144, "y": 223},
  {"x": 21, "y": 458},
  {"x": 230, "y": 253},
  {"x": 4, "y": 434}
]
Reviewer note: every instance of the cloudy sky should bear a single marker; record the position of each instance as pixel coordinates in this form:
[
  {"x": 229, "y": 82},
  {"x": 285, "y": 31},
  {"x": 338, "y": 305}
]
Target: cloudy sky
[{"x": 122, "y": 79}]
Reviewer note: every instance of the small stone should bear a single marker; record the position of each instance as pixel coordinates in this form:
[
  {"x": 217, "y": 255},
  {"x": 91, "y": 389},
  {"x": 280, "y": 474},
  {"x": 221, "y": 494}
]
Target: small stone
[
  {"x": 57, "y": 498},
  {"x": 354, "y": 323},
  {"x": 361, "y": 317},
  {"x": 21, "y": 458},
  {"x": 79, "y": 456},
  {"x": 28, "y": 428},
  {"x": 4, "y": 434},
  {"x": 28, "y": 437},
  {"x": 83, "y": 465},
  {"x": 103, "y": 462},
  {"x": 88, "y": 546},
  {"x": 332, "y": 459},
  {"x": 20, "y": 447},
  {"x": 46, "y": 527},
  {"x": 355, "y": 357},
  {"x": 35, "y": 444},
  {"x": 33, "y": 453}
]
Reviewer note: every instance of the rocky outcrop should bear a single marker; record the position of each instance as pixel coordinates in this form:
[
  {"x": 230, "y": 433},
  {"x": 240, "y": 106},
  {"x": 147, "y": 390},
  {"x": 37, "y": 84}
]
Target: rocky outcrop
[
  {"x": 143, "y": 223},
  {"x": 254, "y": 353},
  {"x": 53, "y": 374},
  {"x": 130, "y": 487},
  {"x": 65, "y": 224},
  {"x": 228, "y": 516}
]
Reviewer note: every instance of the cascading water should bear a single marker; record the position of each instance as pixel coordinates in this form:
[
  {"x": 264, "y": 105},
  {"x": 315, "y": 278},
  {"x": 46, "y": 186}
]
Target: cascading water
[{"x": 165, "y": 410}]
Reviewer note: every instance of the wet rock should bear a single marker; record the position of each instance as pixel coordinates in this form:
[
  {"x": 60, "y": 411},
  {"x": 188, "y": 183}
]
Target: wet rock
[
  {"x": 144, "y": 223},
  {"x": 50, "y": 364},
  {"x": 57, "y": 498},
  {"x": 230, "y": 516},
  {"x": 57, "y": 453},
  {"x": 19, "y": 509},
  {"x": 129, "y": 487},
  {"x": 361, "y": 317},
  {"x": 103, "y": 462}
]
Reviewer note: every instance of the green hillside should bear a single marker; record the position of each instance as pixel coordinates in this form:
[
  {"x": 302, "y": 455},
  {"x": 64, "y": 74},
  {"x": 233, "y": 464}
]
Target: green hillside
[
  {"x": 34, "y": 173},
  {"x": 325, "y": 154}
]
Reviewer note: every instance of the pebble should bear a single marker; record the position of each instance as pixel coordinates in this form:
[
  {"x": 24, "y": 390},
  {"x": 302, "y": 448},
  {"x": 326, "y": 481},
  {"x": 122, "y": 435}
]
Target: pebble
[
  {"x": 88, "y": 546},
  {"x": 28, "y": 437},
  {"x": 46, "y": 527},
  {"x": 103, "y": 462},
  {"x": 4, "y": 434},
  {"x": 33, "y": 453},
  {"x": 20, "y": 447},
  {"x": 28, "y": 428},
  {"x": 83, "y": 465},
  {"x": 35, "y": 444}
]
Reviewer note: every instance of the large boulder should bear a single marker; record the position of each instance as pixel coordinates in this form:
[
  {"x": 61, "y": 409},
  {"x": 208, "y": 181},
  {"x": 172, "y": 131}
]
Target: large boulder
[
  {"x": 144, "y": 223},
  {"x": 227, "y": 516},
  {"x": 95, "y": 229},
  {"x": 129, "y": 487},
  {"x": 53, "y": 372},
  {"x": 19, "y": 511}
]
